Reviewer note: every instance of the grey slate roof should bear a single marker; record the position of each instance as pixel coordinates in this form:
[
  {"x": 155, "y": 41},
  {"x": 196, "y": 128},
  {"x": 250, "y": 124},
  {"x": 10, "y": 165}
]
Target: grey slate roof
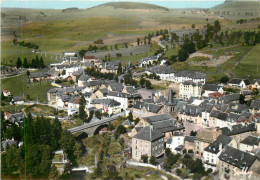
[
  {"x": 211, "y": 87},
  {"x": 191, "y": 83},
  {"x": 238, "y": 81},
  {"x": 148, "y": 134},
  {"x": 251, "y": 140},
  {"x": 131, "y": 90},
  {"x": 118, "y": 94},
  {"x": 238, "y": 129},
  {"x": 106, "y": 102},
  {"x": 84, "y": 78},
  {"x": 161, "y": 69},
  {"x": 38, "y": 74},
  {"x": 229, "y": 98},
  {"x": 237, "y": 158},
  {"x": 191, "y": 74},
  {"x": 190, "y": 109},
  {"x": 189, "y": 138},
  {"x": 149, "y": 106},
  {"x": 17, "y": 117},
  {"x": 157, "y": 118},
  {"x": 256, "y": 80},
  {"x": 117, "y": 87},
  {"x": 177, "y": 133},
  {"x": 220, "y": 142},
  {"x": 255, "y": 104}
]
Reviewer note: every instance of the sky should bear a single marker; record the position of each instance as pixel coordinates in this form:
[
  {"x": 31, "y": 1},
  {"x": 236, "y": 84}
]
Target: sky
[{"x": 62, "y": 4}]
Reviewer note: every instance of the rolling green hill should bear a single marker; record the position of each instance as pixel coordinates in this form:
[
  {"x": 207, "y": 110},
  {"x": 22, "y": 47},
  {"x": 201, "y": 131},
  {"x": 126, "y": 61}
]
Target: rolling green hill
[{"x": 134, "y": 5}]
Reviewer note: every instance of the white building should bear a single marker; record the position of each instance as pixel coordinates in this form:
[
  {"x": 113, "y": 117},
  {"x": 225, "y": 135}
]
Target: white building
[
  {"x": 195, "y": 76},
  {"x": 122, "y": 98},
  {"x": 165, "y": 72},
  {"x": 212, "y": 151},
  {"x": 249, "y": 143},
  {"x": 208, "y": 89},
  {"x": 73, "y": 106},
  {"x": 176, "y": 140},
  {"x": 240, "y": 83},
  {"x": 189, "y": 89}
]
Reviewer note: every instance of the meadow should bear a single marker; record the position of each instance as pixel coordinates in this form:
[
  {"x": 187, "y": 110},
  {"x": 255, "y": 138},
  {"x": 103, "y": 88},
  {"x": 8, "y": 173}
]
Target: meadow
[{"x": 17, "y": 85}]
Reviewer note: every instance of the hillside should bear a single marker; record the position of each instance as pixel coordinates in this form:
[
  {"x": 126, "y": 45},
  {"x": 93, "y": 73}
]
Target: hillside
[
  {"x": 238, "y": 9},
  {"x": 134, "y": 5}
]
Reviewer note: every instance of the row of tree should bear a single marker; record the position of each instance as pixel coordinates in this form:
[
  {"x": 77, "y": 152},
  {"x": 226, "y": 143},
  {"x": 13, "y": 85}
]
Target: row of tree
[
  {"x": 35, "y": 63},
  {"x": 24, "y": 44},
  {"x": 41, "y": 137},
  {"x": 97, "y": 74}
]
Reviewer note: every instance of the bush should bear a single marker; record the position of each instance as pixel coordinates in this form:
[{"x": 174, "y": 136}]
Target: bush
[
  {"x": 209, "y": 171},
  {"x": 190, "y": 151},
  {"x": 153, "y": 160},
  {"x": 224, "y": 79},
  {"x": 144, "y": 158},
  {"x": 184, "y": 151},
  {"x": 58, "y": 81},
  {"x": 137, "y": 175},
  {"x": 178, "y": 171}
]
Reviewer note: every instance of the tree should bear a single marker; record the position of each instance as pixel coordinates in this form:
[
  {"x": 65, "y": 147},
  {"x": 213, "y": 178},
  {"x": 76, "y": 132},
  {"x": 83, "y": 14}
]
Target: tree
[
  {"x": 193, "y": 26},
  {"x": 54, "y": 173},
  {"x": 148, "y": 84},
  {"x": 82, "y": 52},
  {"x": 98, "y": 114},
  {"x": 224, "y": 79},
  {"x": 41, "y": 63},
  {"x": 120, "y": 130},
  {"x": 37, "y": 62},
  {"x": 121, "y": 141},
  {"x": 153, "y": 160},
  {"x": 112, "y": 173},
  {"x": 193, "y": 133},
  {"x": 168, "y": 151},
  {"x": 130, "y": 116},
  {"x": 142, "y": 82},
  {"x": 119, "y": 69},
  {"x": 82, "y": 114},
  {"x": 242, "y": 99},
  {"x": 28, "y": 73},
  {"x": 18, "y": 63},
  {"x": 67, "y": 142},
  {"x": 138, "y": 41},
  {"x": 25, "y": 63},
  {"x": 144, "y": 158}
]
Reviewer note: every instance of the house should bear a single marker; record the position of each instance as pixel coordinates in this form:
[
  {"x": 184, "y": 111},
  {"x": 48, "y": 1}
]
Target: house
[
  {"x": 206, "y": 110},
  {"x": 147, "y": 61},
  {"x": 249, "y": 143},
  {"x": 39, "y": 76},
  {"x": 60, "y": 157},
  {"x": 120, "y": 97},
  {"x": 212, "y": 151},
  {"x": 17, "y": 100},
  {"x": 208, "y": 89},
  {"x": 143, "y": 109},
  {"x": 118, "y": 87},
  {"x": 239, "y": 132},
  {"x": 148, "y": 142},
  {"x": 204, "y": 138},
  {"x": 15, "y": 118},
  {"x": 189, "y": 142},
  {"x": 194, "y": 76},
  {"x": 6, "y": 93},
  {"x": 165, "y": 72},
  {"x": 175, "y": 141},
  {"x": 255, "y": 106},
  {"x": 190, "y": 112},
  {"x": 108, "y": 105},
  {"x": 189, "y": 89},
  {"x": 91, "y": 59},
  {"x": 101, "y": 93},
  {"x": 7, "y": 143},
  {"x": 236, "y": 164},
  {"x": 255, "y": 84},
  {"x": 82, "y": 79},
  {"x": 110, "y": 67},
  {"x": 73, "y": 106},
  {"x": 230, "y": 98},
  {"x": 240, "y": 83},
  {"x": 74, "y": 60}
]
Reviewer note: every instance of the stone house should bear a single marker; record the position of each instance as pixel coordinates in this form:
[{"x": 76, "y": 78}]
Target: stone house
[{"x": 147, "y": 142}]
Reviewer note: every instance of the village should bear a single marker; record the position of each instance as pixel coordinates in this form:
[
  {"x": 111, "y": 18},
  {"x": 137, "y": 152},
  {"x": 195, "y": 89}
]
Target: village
[{"x": 191, "y": 118}]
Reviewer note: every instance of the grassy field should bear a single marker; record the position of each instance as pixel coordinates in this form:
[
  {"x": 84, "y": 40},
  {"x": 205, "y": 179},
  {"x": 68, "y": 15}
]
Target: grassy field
[
  {"x": 17, "y": 86},
  {"x": 41, "y": 110},
  {"x": 250, "y": 65}
]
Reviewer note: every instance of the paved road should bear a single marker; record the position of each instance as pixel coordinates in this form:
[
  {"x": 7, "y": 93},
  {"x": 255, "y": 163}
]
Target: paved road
[{"x": 89, "y": 125}]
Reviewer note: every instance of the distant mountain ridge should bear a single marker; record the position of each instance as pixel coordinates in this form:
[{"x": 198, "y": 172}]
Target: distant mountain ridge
[{"x": 133, "y": 5}]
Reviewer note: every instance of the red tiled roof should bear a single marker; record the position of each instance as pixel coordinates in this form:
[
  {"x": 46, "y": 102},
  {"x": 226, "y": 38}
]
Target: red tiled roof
[
  {"x": 216, "y": 94},
  {"x": 76, "y": 101},
  {"x": 90, "y": 57}
]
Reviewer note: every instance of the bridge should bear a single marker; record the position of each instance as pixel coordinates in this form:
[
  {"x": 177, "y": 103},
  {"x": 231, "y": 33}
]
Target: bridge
[{"x": 93, "y": 128}]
